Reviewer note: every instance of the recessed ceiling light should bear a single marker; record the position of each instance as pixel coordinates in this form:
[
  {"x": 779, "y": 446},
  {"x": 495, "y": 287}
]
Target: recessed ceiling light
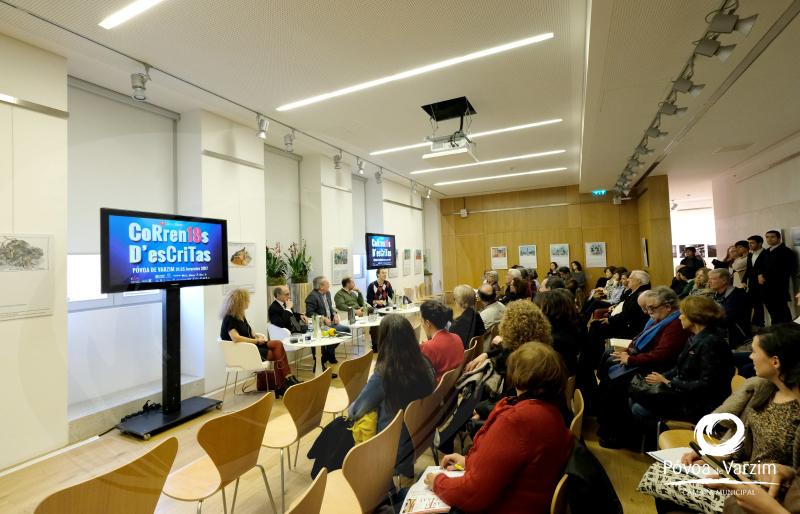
[
  {"x": 493, "y": 161},
  {"x": 473, "y": 136},
  {"x": 129, "y": 11},
  {"x": 495, "y": 177},
  {"x": 417, "y": 71}
]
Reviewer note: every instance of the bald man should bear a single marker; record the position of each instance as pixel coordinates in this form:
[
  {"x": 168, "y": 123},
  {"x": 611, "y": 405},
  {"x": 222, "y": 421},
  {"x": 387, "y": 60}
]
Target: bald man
[{"x": 493, "y": 310}]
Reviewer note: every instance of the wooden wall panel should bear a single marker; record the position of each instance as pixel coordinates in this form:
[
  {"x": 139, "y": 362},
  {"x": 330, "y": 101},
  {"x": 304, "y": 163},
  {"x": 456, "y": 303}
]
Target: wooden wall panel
[{"x": 471, "y": 254}]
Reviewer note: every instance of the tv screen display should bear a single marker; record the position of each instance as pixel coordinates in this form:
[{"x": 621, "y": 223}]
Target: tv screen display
[
  {"x": 143, "y": 250},
  {"x": 381, "y": 251}
]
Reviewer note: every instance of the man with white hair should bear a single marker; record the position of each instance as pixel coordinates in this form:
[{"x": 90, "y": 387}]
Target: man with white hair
[
  {"x": 510, "y": 295},
  {"x": 319, "y": 302},
  {"x": 735, "y": 302},
  {"x": 491, "y": 278}
]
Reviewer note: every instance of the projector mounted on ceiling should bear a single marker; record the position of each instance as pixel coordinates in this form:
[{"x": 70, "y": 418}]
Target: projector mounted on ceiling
[{"x": 455, "y": 148}]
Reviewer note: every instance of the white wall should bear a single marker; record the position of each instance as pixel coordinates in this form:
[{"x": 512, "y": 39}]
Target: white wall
[
  {"x": 33, "y": 192},
  {"x": 219, "y": 188},
  {"x": 359, "y": 224},
  {"x": 405, "y": 222},
  {"x": 282, "y": 194},
  {"x": 432, "y": 220}
]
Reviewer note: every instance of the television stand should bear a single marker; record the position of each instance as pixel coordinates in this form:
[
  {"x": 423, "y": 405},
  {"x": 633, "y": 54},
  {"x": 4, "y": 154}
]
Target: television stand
[{"x": 173, "y": 411}]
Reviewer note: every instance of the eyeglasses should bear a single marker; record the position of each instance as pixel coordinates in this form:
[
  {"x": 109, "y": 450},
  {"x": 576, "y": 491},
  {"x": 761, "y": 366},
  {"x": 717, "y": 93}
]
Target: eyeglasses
[{"x": 653, "y": 308}]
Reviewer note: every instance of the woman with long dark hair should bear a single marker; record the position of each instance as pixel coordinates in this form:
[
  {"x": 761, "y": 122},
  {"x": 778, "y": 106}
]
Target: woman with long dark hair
[
  {"x": 559, "y": 307},
  {"x": 402, "y": 375}
]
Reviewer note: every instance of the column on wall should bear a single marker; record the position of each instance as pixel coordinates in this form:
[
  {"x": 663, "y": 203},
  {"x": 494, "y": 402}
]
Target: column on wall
[
  {"x": 33, "y": 201},
  {"x": 655, "y": 227},
  {"x": 402, "y": 216},
  {"x": 326, "y": 206},
  {"x": 220, "y": 175}
]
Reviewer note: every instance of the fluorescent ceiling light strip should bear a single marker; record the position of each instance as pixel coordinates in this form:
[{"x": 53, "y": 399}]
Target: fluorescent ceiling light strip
[
  {"x": 493, "y": 161},
  {"x": 473, "y": 136},
  {"x": 417, "y": 71},
  {"x": 128, "y": 12},
  {"x": 495, "y": 177}
]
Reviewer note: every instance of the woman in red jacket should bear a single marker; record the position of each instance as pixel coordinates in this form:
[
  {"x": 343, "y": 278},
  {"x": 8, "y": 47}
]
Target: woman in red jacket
[{"x": 519, "y": 455}]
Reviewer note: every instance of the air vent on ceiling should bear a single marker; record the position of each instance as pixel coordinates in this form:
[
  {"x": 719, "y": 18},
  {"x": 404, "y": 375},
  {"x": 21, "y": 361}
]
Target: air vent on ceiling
[{"x": 733, "y": 148}]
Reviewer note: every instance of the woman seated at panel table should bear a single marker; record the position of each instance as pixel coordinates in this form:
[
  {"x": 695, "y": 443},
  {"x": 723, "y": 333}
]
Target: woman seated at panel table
[
  {"x": 236, "y": 328},
  {"x": 519, "y": 455},
  {"x": 402, "y": 375}
]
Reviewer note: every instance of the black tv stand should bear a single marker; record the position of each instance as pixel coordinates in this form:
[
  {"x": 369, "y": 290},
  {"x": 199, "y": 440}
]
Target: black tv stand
[{"x": 173, "y": 411}]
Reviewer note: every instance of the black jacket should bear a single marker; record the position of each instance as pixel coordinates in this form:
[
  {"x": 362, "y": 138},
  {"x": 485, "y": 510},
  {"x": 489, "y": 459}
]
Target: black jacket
[
  {"x": 703, "y": 372},
  {"x": 753, "y": 270},
  {"x": 280, "y": 317},
  {"x": 588, "y": 486},
  {"x": 467, "y": 326},
  {"x": 628, "y": 323},
  {"x": 315, "y": 304},
  {"x": 566, "y": 341},
  {"x": 781, "y": 265},
  {"x": 737, "y": 315}
]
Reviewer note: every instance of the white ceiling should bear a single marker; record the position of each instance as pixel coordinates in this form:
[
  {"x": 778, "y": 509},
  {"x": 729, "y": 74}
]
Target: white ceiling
[{"x": 266, "y": 53}]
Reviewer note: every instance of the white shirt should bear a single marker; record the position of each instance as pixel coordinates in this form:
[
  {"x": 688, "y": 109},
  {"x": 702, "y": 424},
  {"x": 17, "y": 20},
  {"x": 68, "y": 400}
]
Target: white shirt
[{"x": 756, "y": 254}]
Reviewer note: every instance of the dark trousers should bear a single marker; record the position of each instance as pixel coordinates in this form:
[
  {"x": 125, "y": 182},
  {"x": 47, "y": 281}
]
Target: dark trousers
[
  {"x": 613, "y": 410},
  {"x": 778, "y": 308},
  {"x": 754, "y": 293}
]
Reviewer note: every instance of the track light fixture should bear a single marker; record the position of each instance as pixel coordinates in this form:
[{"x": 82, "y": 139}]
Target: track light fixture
[
  {"x": 379, "y": 176},
  {"x": 263, "y": 126},
  {"x": 685, "y": 85},
  {"x": 708, "y": 47},
  {"x": 669, "y": 108},
  {"x": 673, "y": 206},
  {"x": 656, "y": 133},
  {"x": 288, "y": 142},
  {"x": 643, "y": 150},
  {"x": 337, "y": 161},
  {"x": 414, "y": 187},
  {"x": 428, "y": 194},
  {"x": 139, "y": 84},
  {"x": 360, "y": 165},
  {"x": 634, "y": 163},
  {"x": 727, "y": 23}
]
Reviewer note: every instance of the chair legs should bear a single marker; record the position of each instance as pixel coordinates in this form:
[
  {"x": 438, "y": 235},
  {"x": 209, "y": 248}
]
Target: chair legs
[
  {"x": 235, "y": 492},
  {"x": 283, "y": 487},
  {"x": 296, "y": 451},
  {"x": 225, "y": 389},
  {"x": 269, "y": 490},
  {"x": 224, "y": 502},
  {"x": 200, "y": 507}
]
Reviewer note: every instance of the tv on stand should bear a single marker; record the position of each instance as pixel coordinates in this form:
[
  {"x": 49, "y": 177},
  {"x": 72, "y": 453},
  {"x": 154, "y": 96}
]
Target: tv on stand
[{"x": 144, "y": 250}]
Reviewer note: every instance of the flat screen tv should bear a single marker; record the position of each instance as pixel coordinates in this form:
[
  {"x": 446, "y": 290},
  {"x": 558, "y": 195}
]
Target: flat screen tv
[
  {"x": 145, "y": 250},
  {"x": 381, "y": 251}
]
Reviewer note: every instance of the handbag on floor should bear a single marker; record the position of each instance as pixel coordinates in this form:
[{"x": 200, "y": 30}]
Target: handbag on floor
[{"x": 658, "y": 481}]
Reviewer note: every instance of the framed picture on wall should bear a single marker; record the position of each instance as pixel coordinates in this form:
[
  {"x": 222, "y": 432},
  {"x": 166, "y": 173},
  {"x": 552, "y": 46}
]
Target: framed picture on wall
[
  {"x": 559, "y": 253},
  {"x": 499, "y": 257},
  {"x": 527, "y": 256},
  {"x": 407, "y": 262},
  {"x": 596, "y": 254},
  {"x": 341, "y": 264},
  {"x": 417, "y": 262}
]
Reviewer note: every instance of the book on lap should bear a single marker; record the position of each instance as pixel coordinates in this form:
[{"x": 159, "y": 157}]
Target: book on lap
[{"x": 421, "y": 500}]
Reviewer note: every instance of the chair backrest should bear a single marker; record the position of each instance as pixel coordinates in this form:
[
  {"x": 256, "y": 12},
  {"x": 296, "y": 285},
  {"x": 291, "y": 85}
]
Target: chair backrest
[
  {"x": 423, "y": 415},
  {"x": 244, "y": 356},
  {"x": 369, "y": 466},
  {"x": 445, "y": 393},
  {"x": 736, "y": 382},
  {"x": 131, "y": 489},
  {"x": 475, "y": 348},
  {"x": 576, "y": 427},
  {"x": 418, "y": 332},
  {"x": 233, "y": 441},
  {"x": 409, "y": 292},
  {"x": 305, "y": 402},
  {"x": 559, "y": 503},
  {"x": 311, "y": 501},
  {"x": 354, "y": 374},
  {"x": 569, "y": 392},
  {"x": 277, "y": 333}
]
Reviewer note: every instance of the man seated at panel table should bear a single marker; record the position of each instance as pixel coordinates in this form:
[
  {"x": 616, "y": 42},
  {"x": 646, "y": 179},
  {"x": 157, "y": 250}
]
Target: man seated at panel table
[
  {"x": 350, "y": 297},
  {"x": 319, "y": 302},
  {"x": 281, "y": 312}
]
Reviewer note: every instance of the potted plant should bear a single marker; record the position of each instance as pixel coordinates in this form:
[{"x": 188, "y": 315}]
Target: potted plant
[
  {"x": 299, "y": 264},
  {"x": 276, "y": 266}
]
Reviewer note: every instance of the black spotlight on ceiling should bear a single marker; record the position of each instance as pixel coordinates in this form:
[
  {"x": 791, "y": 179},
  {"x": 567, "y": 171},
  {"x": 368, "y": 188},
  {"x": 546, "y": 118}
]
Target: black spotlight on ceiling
[
  {"x": 687, "y": 86},
  {"x": 671, "y": 109},
  {"x": 656, "y": 133},
  {"x": 727, "y": 23},
  {"x": 711, "y": 47},
  {"x": 643, "y": 150}
]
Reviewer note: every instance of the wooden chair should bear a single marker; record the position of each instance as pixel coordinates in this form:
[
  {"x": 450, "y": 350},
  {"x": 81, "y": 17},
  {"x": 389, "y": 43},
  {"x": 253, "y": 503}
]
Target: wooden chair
[
  {"x": 304, "y": 403},
  {"x": 418, "y": 331},
  {"x": 736, "y": 382},
  {"x": 423, "y": 415},
  {"x": 559, "y": 503},
  {"x": 409, "y": 293},
  {"x": 131, "y": 489},
  {"x": 444, "y": 396},
  {"x": 232, "y": 443},
  {"x": 366, "y": 474},
  {"x": 241, "y": 358},
  {"x": 475, "y": 348},
  {"x": 576, "y": 427},
  {"x": 353, "y": 374},
  {"x": 311, "y": 501}
]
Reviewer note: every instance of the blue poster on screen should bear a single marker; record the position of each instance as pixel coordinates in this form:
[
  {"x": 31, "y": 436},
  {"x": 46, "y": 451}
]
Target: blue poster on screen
[
  {"x": 154, "y": 250},
  {"x": 380, "y": 251}
]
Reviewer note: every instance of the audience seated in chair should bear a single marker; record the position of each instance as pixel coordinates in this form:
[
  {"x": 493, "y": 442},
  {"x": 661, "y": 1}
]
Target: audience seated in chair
[
  {"x": 469, "y": 324},
  {"x": 402, "y": 375},
  {"x": 236, "y": 328},
  {"x": 282, "y": 314},
  {"x": 443, "y": 349},
  {"x": 350, "y": 297},
  {"x": 567, "y": 330},
  {"x": 493, "y": 310},
  {"x": 734, "y": 301},
  {"x": 519, "y": 455},
  {"x": 318, "y": 302}
]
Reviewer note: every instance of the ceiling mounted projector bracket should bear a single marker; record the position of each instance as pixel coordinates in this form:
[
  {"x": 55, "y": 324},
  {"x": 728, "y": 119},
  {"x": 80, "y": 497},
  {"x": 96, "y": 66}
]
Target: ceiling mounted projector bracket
[{"x": 456, "y": 147}]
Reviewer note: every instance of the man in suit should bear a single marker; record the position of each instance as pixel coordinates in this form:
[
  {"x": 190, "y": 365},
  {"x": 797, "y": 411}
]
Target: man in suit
[
  {"x": 756, "y": 263},
  {"x": 734, "y": 301},
  {"x": 781, "y": 265},
  {"x": 319, "y": 302},
  {"x": 281, "y": 312}
]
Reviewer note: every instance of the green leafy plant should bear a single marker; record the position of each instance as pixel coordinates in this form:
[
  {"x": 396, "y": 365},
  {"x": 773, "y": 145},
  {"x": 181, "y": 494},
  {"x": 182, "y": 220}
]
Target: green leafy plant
[
  {"x": 277, "y": 267},
  {"x": 299, "y": 262}
]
